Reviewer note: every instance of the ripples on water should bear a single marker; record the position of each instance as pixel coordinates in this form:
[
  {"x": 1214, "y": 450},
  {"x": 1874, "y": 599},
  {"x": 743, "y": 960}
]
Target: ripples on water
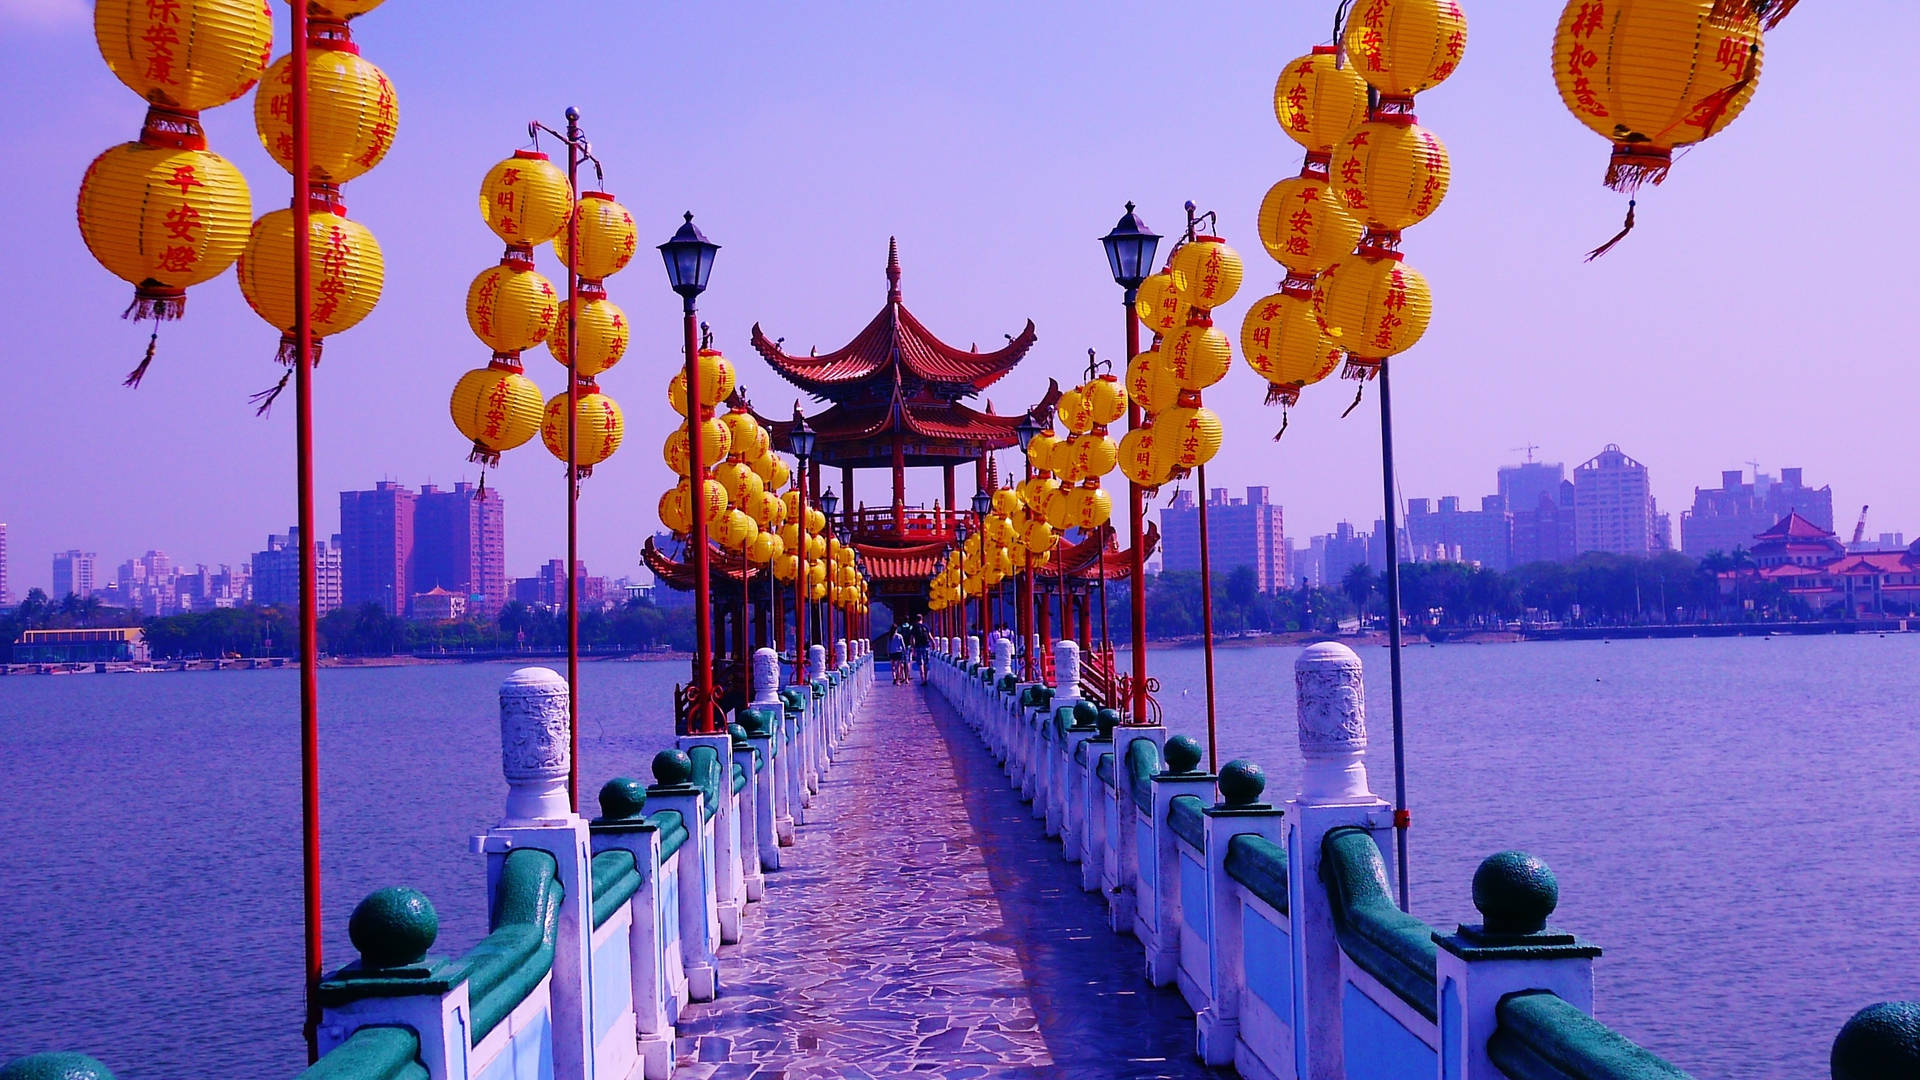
[{"x": 1732, "y": 819}]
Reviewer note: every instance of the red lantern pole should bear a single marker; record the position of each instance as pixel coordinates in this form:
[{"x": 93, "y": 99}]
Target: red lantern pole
[
  {"x": 1136, "y": 526},
  {"x": 309, "y": 570},
  {"x": 573, "y": 457},
  {"x": 800, "y": 585},
  {"x": 1206, "y": 621},
  {"x": 702, "y": 567}
]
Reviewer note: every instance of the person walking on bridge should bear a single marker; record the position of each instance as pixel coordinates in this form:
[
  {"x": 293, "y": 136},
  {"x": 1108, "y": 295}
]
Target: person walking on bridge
[{"x": 897, "y": 649}]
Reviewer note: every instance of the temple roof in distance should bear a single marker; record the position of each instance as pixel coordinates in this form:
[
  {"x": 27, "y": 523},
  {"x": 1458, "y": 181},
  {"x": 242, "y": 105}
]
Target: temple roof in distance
[
  {"x": 723, "y": 566},
  {"x": 896, "y": 348}
]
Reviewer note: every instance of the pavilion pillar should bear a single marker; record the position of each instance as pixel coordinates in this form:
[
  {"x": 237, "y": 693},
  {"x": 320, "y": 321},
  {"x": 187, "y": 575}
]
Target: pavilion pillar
[
  {"x": 899, "y": 486},
  {"x": 952, "y": 506},
  {"x": 846, "y": 495},
  {"x": 1086, "y": 622}
]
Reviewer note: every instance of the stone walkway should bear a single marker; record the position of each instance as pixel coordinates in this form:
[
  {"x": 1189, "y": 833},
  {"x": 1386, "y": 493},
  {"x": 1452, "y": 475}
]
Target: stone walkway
[{"x": 922, "y": 925}]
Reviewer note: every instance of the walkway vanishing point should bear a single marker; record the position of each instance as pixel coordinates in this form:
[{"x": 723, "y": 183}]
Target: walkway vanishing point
[{"x": 923, "y": 925}]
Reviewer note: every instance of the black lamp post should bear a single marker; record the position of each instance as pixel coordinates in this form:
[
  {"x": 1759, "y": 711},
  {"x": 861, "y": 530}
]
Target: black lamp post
[
  {"x": 829, "y": 502},
  {"x": 1130, "y": 249},
  {"x": 800, "y": 440},
  {"x": 982, "y": 505},
  {"x": 960, "y": 534},
  {"x": 689, "y": 258},
  {"x": 1026, "y": 431}
]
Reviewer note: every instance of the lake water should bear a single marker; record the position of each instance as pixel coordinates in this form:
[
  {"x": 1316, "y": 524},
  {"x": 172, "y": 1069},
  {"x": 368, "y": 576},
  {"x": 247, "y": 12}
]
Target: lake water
[{"x": 1733, "y": 820}]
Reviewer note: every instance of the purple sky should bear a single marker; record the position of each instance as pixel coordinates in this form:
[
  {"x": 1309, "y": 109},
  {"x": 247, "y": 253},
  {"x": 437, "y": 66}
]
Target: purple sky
[{"x": 998, "y": 141}]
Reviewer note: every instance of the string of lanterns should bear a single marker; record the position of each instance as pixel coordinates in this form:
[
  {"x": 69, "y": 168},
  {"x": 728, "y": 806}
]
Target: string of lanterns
[
  {"x": 607, "y": 238},
  {"x": 353, "y": 115},
  {"x": 164, "y": 213}
]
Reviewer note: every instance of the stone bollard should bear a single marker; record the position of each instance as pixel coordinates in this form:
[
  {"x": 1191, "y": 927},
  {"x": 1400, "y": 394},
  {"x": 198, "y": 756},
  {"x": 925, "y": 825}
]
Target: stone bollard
[
  {"x": 658, "y": 982},
  {"x": 745, "y": 804},
  {"x": 535, "y": 758},
  {"x": 1094, "y": 806},
  {"x": 1050, "y": 802},
  {"x": 1331, "y": 710},
  {"x": 729, "y": 884},
  {"x": 818, "y": 716},
  {"x": 699, "y": 926},
  {"x": 1002, "y": 659},
  {"x": 765, "y": 721},
  {"x": 1880, "y": 1042},
  {"x": 1511, "y": 951},
  {"x": 396, "y": 984},
  {"x": 54, "y": 1067},
  {"x": 1238, "y": 813}
]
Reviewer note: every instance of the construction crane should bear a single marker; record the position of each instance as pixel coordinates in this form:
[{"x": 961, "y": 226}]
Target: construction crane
[
  {"x": 1860, "y": 528},
  {"x": 1529, "y": 448}
]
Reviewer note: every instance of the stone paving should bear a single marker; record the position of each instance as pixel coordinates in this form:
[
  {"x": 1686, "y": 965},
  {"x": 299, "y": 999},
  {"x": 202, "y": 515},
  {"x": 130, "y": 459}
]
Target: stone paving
[{"x": 922, "y": 925}]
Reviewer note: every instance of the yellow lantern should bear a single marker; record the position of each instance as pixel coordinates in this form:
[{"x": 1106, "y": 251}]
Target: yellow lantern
[
  {"x": 1059, "y": 512},
  {"x": 1040, "y": 450},
  {"x": 510, "y": 307},
  {"x": 1137, "y": 460},
  {"x": 345, "y": 267},
  {"x": 184, "y": 55},
  {"x": 786, "y": 567},
  {"x": 352, "y": 112},
  {"x": 765, "y": 509},
  {"x": 1152, "y": 383},
  {"x": 716, "y": 499},
  {"x": 1304, "y": 227},
  {"x": 1076, "y": 412},
  {"x": 603, "y": 334},
  {"x": 1282, "y": 340},
  {"x": 1391, "y": 172},
  {"x": 744, "y": 487},
  {"x": 1108, "y": 399},
  {"x": 1188, "y": 437},
  {"x": 1095, "y": 456},
  {"x": 1317, "y": 99},
  {"x": 497, "y": 408},
  {"x": 163, "y": 219},
  {"x": 818, "y": 592},
  {"x": 1064, "y": 461},
  {"x": 741, "y": 431},
  {"x": 524, "y": 199},
  {"x": 1088, "y": 508},
  {"x": 816, "y": 522},
  {"x": 1198, "y": 355},
  {"x": 1005, "y": 502},
  {"x": 817, "y": 572},
  {"x": 713, "y": 446},
  {"x": 716, "y": 382},
  {"x": 1211, "y": 270},
  {"x": 764, "y": 548},
  {"x": 1402, "y": 47},
  {"x": 1373, "y": 306},
  {"x": 341, "y": 9},
  {"x": 598, "y": 428},
  {"x": 1652, "y": 76},
  {"x": 774, "y": 471},
  {"x": 1159, "y": 302},
  {"x": 607, "y": 237},
  {"x": 1038, "y": 536},
  {"x": 673, "y": 512},
  {"x": 736, "y": 530}
]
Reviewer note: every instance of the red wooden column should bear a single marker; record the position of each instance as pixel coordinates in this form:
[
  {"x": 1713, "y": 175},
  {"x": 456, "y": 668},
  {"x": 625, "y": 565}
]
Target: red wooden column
[
  {"x": 899, "y": 486},
  {"x": 846, "y": 494},
  {"x": 952, "y": 506},
  {"x": 1086, "y": 623}
]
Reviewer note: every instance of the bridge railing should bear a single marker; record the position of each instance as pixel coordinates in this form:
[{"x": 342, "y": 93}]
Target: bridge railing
[{"x": 1276, "y": 921}]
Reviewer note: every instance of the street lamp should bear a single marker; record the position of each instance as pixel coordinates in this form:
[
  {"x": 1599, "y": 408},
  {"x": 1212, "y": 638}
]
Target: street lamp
[
  {"x": 1130, "y": 247},
  {"x": 800, "y": 439},
  {"x": 960, "y": 534},
  {"x": 982, "y": 505},
  {"x": 1026, "y": 431},
  {"x": 689, "y": 259}
]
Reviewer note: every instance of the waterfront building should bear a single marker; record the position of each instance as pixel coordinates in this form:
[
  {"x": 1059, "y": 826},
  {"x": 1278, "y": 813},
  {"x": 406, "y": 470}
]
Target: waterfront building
[
  {"x": 1813, "y": 566},
  {"x": 1446, "y": 533},
  {"x": 1732, "y": 514},
  {"x": 1343, "y": 549},
  {"x": 376, "y": 547},
  {"x": 1886, "y": 541},
  {"x": 1544, "y": 531},
  {"x": 1240, "y": 532},
  {"x": 209, "y": 590},
  {"x": 437, "y": 605},
  {"x": 548, "y": 587},
  {"x": 149, "y": 585},
  {"x": 73, "y": 574},
  {"x": 1614, "y": 508},
  {"x": 6, "y": 593},
  {"x": 1522, "y": 486},
  {"x": 124, "y": 644},
  {"x": 459, "y": 543},
  {"x": 276, "y": 572}
]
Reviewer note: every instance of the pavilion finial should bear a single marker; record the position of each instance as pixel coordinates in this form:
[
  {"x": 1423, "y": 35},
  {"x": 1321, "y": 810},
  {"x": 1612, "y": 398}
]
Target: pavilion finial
[{"x": 893, "y": 270}]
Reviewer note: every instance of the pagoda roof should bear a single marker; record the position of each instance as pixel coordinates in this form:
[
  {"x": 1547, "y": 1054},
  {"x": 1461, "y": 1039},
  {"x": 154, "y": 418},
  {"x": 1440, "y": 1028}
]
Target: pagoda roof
[
  {"x": 1794, "y": 527},
  {"x": 897, "y": 344},
  {"x": 722, "y": 566},
  {"x": 896, "y": 564},
  {"x": 933, "y": 424}
]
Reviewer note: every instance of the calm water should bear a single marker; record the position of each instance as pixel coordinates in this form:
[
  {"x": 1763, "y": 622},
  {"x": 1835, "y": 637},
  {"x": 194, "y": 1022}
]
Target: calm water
[{"x": 1735, "y": 821}]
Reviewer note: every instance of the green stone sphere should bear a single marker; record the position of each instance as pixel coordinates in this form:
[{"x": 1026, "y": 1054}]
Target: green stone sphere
[
  {"x": 1241, "y": 782},
  {"x": 1515, "y": 893},
  {"x": 1880, "y": 1041},
  {"x": 1183, "y": 754},
  {"x": 1085, "y": 714},
  {"x": 621, "y": 798},
  {"x": 1106, "y": 720},
  {"x": 393, "y": 927},
  {"x": 672, "y": 768},
  {"x": 54, "y": 1067}
]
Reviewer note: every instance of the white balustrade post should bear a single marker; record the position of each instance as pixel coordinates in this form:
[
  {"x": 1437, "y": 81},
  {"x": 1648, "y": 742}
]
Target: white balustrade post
[
  {"x": 1055, "y": 751},
  {"x": 1239, "y": 813},
  {"x": 535, "y": 757},
  {"x": 763, "y": 723},
  {"x": 656, "y": 981},
  {"x": 1331, "y": 711},
  {"x": 699, "y": 924},
  {"x": 729, "y": 888},
  {"x": 1162, "y": 899},
  {"x": 396, "y": 984},
  {"x": 818, "y": 706}
]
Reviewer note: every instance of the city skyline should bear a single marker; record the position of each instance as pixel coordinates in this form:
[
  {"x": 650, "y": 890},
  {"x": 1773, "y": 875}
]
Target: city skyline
[{"x": 1526, "y": 339}]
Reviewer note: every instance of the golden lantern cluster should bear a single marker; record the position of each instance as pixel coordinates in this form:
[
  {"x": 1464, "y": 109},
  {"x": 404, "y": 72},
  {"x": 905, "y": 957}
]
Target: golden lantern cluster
[
  {"x": 606, "y": 235},
  {"x": 804, "y": 561},
  {"x": 1653, "y": 76},
  {"x": 1370, "y": 172},
  {"x": 1188, "y": 355},
  {"x": 163, "y": 213},
  {"x": 352, "y": 117}
]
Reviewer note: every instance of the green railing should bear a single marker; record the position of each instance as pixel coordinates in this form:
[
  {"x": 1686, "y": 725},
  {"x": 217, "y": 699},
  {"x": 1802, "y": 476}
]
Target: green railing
[
  {"x": 509, "y": 962},
  {"x": 1542, "y": 1037},
  {"x": 372, "y": 1053},
  {"x": 1185, "y": 818},
  {"x": 1260, "y": 866},
  {"x": 1378, "y": 937},
  {"x": 616, "y": 877},
  {"x": 1143, "y": 762}
]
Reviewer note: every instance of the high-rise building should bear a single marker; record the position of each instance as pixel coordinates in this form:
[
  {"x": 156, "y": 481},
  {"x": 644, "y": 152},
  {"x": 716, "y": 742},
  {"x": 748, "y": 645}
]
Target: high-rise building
[
  {"x": 1614, "y": 508},
  {"x": 376, "y": 547},
  {"x": 1342, "y": 550},
  {"x": 1522, "y": 486},
  {"x": 276, "y": 572},
  {"x": 548, "y": 588},
  {"x": 1731, "y": 515},
  {"x": 6, "y": 593},
  {"x": 1240, "y": 532},
  {"x": 459, "y": 545},
  {"x": 73, "y": 574},
  {"x": 1543, "y": 531},
  {"x": 149, "y": 584},
  {"x": 1448, "y": 533}
]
